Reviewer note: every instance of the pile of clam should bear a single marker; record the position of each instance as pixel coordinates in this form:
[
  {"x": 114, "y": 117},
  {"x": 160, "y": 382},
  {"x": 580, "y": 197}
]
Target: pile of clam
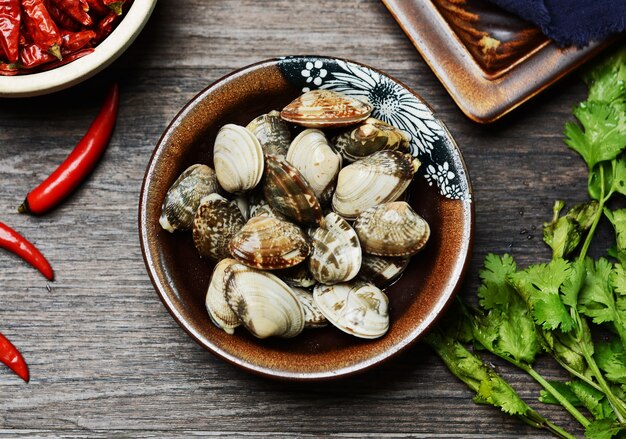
[{"x": 304, "y": 231}]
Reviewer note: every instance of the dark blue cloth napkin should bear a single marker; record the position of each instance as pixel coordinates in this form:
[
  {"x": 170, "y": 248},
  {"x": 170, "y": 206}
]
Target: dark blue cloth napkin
[{"x": 570, "y": 22}]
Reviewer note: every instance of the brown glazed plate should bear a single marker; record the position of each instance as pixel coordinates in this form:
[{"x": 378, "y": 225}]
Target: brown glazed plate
[
  {"x": 440, "y": 192},
  {"x": 489, "y": 60}
]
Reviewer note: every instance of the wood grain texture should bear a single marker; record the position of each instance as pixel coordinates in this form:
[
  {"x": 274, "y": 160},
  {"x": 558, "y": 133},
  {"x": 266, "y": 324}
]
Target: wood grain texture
[{"x": 106, "y": 359}]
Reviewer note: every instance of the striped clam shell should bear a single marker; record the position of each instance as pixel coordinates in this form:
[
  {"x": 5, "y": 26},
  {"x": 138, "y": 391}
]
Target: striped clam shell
[
  {"x": 379, "y": 178},
  {"x": 325, "y": 108},
  {"x": 313, "y": 317},
  {"x": 371, "y": 136},
  {"x": 336, "y": 255},
  {"x": 183, "y": 197},
  {"x": 318, "y": 163},
  {"x": 382, "y": 271},
  {"x": 272, "y": 132},
  {"x": 238, "y": 159},
  {"x": 288, "y": 192},
  {"x": 392, "y": 229},
  {"x": 221, "y": 314},
  {"x": 264, "y": 304},
  {"x": 269, "y": 244},
  {"x": 297, "y": 276},
  {"x": 216, "y": 222},
  {"x": 356, "y": 307}
]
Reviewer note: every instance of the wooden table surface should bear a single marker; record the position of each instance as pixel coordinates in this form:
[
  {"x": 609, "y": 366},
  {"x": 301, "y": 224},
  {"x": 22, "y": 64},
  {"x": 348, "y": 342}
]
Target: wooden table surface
[{"x": 106, "y": 359}]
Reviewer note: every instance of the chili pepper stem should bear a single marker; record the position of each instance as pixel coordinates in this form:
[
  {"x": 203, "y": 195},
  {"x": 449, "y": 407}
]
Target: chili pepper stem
[
  {"x": 56, "y": 51},
  {"x": 23, "y": 208},
  {"x": 116, "y": 7}
]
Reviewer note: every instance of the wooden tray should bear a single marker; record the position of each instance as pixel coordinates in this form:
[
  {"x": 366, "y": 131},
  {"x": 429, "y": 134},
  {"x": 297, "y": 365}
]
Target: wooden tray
[{"x": 490, "y": 61}]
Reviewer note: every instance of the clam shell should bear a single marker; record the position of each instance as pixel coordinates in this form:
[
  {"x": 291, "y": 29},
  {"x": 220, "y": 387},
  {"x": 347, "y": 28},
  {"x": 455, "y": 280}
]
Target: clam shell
[
  {"x": 325, "y": 108},
  {"x": 269, "y": 244},
  {"x": 336, "y": 255},
  {"x": 371, "y": 136},
  {"x": 183, "y": 197},
  {"x": 220, "y": 313},
  {"x": 313, "y": 317},
  {"x": 259, "y": 206},
  {"x": 216, "y": 222},
  {"x": 272, "y": 132},
  {"x": 392, "y": 229},
  {"x": 297, "y": 276},
  {"x": 382, "y": 271},
  {"x": 288, "y": 192},
  {"x": 378, "y": 178},
  {"x": 356, "y": 307},
  {"x": 265, "y": 305},
  {"x": 311, "y": 154},
  {"x": 238, "y": 159}
]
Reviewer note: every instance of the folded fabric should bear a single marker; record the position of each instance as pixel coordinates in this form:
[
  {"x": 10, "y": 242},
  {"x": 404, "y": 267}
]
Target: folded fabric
[{"x": 571, "y": 22}]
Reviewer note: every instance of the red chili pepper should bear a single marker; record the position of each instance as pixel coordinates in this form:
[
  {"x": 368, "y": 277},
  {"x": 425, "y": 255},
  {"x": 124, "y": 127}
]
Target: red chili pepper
[
  {"x": 17, "y": 244},
  {"x": 66, "y": 60},
  {"x": 79, "y": 163},
  {"x": 63, "y": 20},
  {"x": 98, "y": 7},
  {"x": 41, "y": 27},
  {"x": 9, "y": 69},
  {"x": 31, "y": 55},
  {"x": 74, "y": 9},
  {"x": 105, "y": 26},
  {"x": 10, "y": 356},
  {"x": 72, "y": 41},
  {"x": 10, "y": 18},
  {"x": 114, "y": 5}
]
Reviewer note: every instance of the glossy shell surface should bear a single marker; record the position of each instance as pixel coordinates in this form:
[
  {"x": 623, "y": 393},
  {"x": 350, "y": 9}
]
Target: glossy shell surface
[
  {"x": 220, "y": 312},
  {"x": 238, "y": 159},
  {"x": 371, "y": 136},
  {"x": 272, "y": 132},
  {"x": 325, "y": 109},
  {"x": 318, "y": 163},
  {"x": 268, "y": 243},
  {"x": 216, "y": 222},
  {"x": 265, "y": 305},
  {"x": 313, "y": 317},
  {"x": 392, "y": 229},
  {"x": 183, "y": 198},
  {"x": 336, "y": 255},
  {"x": 380, "y": 270},
  {"x": 357, "y": 307},
  {"x": 288, "y": 192},
  {"x": 378, "y": 178},
  {"x": 297, "y": 276}
]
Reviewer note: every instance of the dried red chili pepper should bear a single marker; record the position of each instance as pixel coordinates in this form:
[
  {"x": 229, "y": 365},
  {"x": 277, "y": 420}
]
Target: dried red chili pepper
[
  {"x": 10, "y": 356},
  {"x": 17, "y": 244},
  {"x": 31, "y": 55},
  {"x": 10, "y": 19},
  {"x": 105, "y": 26},
  {"x": 98, "y": 7},
  {"x": 66, "y": 60},
  {"x": 72, "y": 41},
  {"x": 41, "y": 27},
  {"x": 114, "y": 5},
  {"x": 79, "y": 163},
  {"x": 7, "y": 69},
  {"x": 61, "y": 18},
  {"x": 75, "y": 10}
]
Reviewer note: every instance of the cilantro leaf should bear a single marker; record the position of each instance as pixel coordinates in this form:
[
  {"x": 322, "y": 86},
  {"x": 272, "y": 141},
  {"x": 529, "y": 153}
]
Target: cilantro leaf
[
  {"x": 564, "y": 390},
  {"x": 611, "y": 358},
  {"x": 603, "y": 429},
  {"x": 499, "y": 393},
  {"x": 594, "y": 400},
  {"x": 618, "y": 219},
  {"x": 596, "y": 296},
  {"x": 619, "y": 176},
  {"x": 517, "y": 337},
  {"x": 606, "y": 79},
  {"x": 601, "y": 134},
  {"x": 495, "y": 292}
]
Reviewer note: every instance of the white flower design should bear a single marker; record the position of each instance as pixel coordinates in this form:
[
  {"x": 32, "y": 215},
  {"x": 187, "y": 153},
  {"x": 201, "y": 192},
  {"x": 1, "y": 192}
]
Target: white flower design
[
  {"x": 392, "y": 104},
  {"x": 441, "y": 175},
  {"x": 314, "y": 73}
]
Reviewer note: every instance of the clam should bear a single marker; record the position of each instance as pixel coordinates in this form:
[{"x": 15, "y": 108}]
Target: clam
[
  {"x": 272, "y": 132},
  {"x": 221, "y": 315},
  {"x": 243, "y": 205},
  {"x": 378, "y": 178},
  {"x": 336, "y": 255},
  {"x": 356, "y": 307},
  {"x": 313, "y": 317},
  {"x": 382, "y": 271},
  {"x": 259, "y": 206},
  {"x": 311, "y": 154},
  {"x": 325, "y": 108},
  {"x": 183, "y": 197},
  {"x": 297, "y": 276},
  {"x": 264, "y": 304},
  {"x": 269, "y": 244},
  {"x": 216, "y": 222},
  {"x": 238, "y": 159},
  {"x": 392, "y": 229},
  {"x": 288, "y": 192},
  {"x": 371, "y": 136}
]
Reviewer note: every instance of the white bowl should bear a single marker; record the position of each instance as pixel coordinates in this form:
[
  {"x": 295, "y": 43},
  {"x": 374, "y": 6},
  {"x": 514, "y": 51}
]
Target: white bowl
[{"x": 77, "y": 71}]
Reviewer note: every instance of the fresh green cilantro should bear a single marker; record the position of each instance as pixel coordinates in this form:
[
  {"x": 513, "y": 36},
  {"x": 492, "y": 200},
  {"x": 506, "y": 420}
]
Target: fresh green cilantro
[
  {"x": 611, "y": 358},
  {"x": 604, "y": 429},
  {"x": 593, "y": 399},
  {"x": 618, "y": 219},
  {"x": 495, "y": 291},
  {"x": 607, "y": 78},
  {"x": 563, "y": 234},
  {"x": 564, "y": 390},
  {"x": 596, "y": 299}
]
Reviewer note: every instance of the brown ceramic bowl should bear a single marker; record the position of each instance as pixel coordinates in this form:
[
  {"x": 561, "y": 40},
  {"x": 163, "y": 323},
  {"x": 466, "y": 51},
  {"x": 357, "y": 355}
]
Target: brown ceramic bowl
[{"x": 441, "y": 193}]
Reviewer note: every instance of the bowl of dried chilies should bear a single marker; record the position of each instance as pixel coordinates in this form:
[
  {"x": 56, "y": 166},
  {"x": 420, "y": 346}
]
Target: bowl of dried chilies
[
  {"x": 50, "y": 45},
  {"x": 306, "y": 217}
]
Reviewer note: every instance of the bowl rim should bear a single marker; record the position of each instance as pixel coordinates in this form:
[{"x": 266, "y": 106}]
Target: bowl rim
[
  {"x": 105, "y": 53},
  {"x": 266, "y": 372}
]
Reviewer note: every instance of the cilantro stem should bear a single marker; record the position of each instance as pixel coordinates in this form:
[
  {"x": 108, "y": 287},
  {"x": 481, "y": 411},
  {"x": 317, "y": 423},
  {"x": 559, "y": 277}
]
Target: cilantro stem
[{"x": 597, "y": 216}]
